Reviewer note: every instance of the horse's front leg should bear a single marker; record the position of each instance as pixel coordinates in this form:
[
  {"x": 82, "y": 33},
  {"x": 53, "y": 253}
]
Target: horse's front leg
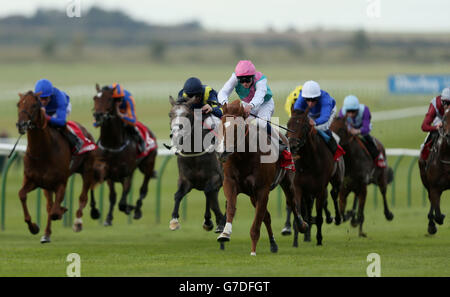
[
  {"x": 229, "y": 188},
  {"x": 126, "y": 186},
  {"x": 27, "y": 187},
  {"x": 57, "y": 210},
  {"x": 261, "y": 210},
  {"x": 78, "y": 224},
  {"x": 48, "y": 231},
  {"x": 213, "y": 198},
  {"x": 362, "y": 201},
  {"x": 112, "y": 202},
  {"x": 183, "y": 188}
]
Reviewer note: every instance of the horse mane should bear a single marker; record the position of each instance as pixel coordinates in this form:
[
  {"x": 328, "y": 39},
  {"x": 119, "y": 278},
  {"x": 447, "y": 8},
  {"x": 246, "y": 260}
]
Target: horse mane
[{"x": 235, "y": 108}]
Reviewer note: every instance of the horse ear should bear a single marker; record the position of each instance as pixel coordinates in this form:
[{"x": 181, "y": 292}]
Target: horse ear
[
  {"x": 171, "y": 100},
  {"x": 192, "y": 101},
  {"x": 224, "y": 108},
  {"x": 38, "y": 94},
  {"x": 97, "y": 87},
  {"x": 20, "y": 95}
]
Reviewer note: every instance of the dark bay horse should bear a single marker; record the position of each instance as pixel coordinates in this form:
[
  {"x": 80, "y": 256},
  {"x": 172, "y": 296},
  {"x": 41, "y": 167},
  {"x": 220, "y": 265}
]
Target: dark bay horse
[
  {"x": 196, "y": 170},
  {"x": 244, "y": 172},
  {"x": 47, "y": 164},
  {"x": 119, "y": 151},
  {"x": 435, "y": 173},
  {"x": 360, "y": 171},
  {"x": 315, "y": 168}
]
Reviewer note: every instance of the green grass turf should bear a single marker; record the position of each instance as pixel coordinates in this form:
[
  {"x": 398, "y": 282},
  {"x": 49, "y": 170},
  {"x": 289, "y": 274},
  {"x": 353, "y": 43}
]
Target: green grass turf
[{"x": 145, "y": 248}]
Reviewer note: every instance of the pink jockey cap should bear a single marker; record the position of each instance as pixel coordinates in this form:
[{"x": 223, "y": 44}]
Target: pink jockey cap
[{"x": 245, "y": 68}]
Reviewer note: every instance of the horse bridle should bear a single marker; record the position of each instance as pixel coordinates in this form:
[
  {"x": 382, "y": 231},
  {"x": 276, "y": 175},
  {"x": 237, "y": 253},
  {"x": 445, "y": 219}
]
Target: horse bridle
[
  {"x": 28, "y": 125},
  {"x": 297, "y": 142}
]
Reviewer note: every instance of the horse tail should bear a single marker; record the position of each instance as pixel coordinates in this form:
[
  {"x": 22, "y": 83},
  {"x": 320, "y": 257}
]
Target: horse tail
[{"x": 390, "y": 175}]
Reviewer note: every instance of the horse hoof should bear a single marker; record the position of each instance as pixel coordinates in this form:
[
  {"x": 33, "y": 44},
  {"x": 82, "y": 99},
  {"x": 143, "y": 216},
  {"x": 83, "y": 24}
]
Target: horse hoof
[
  {"x": 362, "y": 234},
  {"x": 303, "y": 228},
  {"x": 432, "y": 230},
  {"x": 45, "y": 239},
  {"x": 174, "y": 224},
  {"x": 337, "y": 221},
  {"x": 274, "y": 248},
  {"x": 389, "y": 216},
  {"x": 126, "y": 208},
  {"x": 107, "y": 223},
  {"x": 253, "y": 254},
  {"x": 439, "y": 219},
  {"x": 95, "y": 214},
  {"x": 137, "y": 214},
  {"x": 34, "y": 229},
  {"x": 224, "y": 237},
  {"x": 77, "y": 227},
  {"x": 286, "y": 231},
  {"x": 219, "y": 229},
  {"x": 208, "y": 226},
  {"x": 354, "y": 223},
  {"x": 329, "y": 220},
  {"x": 55, "y": 217}
]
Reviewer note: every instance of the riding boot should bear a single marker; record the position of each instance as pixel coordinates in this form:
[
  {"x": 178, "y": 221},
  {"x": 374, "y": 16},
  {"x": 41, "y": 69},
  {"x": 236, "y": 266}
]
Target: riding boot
[
  {"x": 137, "y": 137},
  {"x": 336, "y": 149},
  {"x": 377, "y": 156},
  {"x": 73, "y": 140}
]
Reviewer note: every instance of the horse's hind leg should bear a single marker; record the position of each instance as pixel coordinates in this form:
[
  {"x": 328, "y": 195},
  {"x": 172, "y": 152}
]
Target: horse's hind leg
[
  {"x": 268, "y": 222},
  {"x": 435, "y": 196},
  {"x": 142, "y": 193},
  {"x": 431, "y": 225},
  {"x": 27, "y": 187},
  {"x": 320, "y": 202},
  {"x": 183, "y": 188},
  {"x": 58, "y": 211},
  {"x": 343, "y": 194},
  {"x": 294, "y": 198},
  {"x": 287, "y": 225},
  {"x": 112, "y": 203},
  {"x": 334, "y": 195},
  {"x": 126, "y": 186},
  {"x": 48, "y": 231},
  {"x": 213, "y": 198},
  {"x": 78, "y": 224},
  {"x": 382, "y": 184},
  {"x": 95, "y": 214},
  {"x": 329, "y": 218},
  {"x": 362, "y": 201}
]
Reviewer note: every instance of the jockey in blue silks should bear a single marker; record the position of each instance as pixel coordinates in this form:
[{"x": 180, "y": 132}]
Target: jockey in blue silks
[
  {"x": 57, "y": 107},
  {"x": 209, "y": 104},
  {"x": 322, "y": 109}
]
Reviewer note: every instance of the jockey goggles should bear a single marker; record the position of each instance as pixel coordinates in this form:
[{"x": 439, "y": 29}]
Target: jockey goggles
[
  {"x": 315, "y": 99},
  {"x": 245, "y": 79}
]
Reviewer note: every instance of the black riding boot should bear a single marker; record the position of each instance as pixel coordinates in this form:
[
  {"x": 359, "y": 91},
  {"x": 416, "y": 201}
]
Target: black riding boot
[
  {"x": 74, "y": 143},
  {"x": 137, "y": 138},
  {"x": 371, "y": 146},
  {"x": 332, "y": 145}
]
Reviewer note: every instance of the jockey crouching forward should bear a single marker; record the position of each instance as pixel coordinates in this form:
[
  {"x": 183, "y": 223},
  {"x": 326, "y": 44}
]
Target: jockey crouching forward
[
  {"x": 57, "y": 107},
  {"x": 322, "y": 109},
  {"x": 125, "y": 106},
  {"x": 358, "y": 123},
  {"x": 209, "y": 104},
  {"x": 433, "y": 121},
  {"x": 251, "y": 87}
]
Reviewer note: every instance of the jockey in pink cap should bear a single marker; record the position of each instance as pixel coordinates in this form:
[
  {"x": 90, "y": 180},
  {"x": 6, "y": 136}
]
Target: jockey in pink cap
[{"x": 251, "y": 87}]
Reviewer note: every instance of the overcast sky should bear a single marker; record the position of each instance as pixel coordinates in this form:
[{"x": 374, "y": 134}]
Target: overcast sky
[{"x": 258, "y": 15}]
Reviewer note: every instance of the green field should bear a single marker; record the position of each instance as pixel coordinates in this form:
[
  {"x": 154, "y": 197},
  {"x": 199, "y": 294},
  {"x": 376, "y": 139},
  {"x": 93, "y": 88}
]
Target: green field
[{"x": 145, "y": 248}]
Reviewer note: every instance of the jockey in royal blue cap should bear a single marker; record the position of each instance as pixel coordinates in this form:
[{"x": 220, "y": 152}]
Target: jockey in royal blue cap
[
  {"x": 57, "y": 107},
  {"x": 208, "y": 100}
]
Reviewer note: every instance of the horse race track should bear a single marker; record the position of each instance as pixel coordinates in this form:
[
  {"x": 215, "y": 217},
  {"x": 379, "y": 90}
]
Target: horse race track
[{"x": 145, "y": 248}]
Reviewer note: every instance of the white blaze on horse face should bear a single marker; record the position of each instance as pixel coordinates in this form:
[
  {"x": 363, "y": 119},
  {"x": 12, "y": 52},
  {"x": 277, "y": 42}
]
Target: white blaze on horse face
[{"x": 99, "y": 94}]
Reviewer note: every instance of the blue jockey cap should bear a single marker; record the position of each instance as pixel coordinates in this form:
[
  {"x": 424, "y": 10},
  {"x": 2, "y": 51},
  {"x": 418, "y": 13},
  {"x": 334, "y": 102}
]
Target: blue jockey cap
[
  {"x": 44, "y": 86},
  {"x": 193, "y": 86}
]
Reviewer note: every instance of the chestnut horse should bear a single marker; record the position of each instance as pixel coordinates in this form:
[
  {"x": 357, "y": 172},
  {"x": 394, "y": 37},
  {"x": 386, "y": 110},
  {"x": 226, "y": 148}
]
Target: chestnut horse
[
  {"x": 119, "y": 151},
  {"x": 315, "y": 168},
  {"x": 244, "y": 172},
  {"x": 47, "y": 164},
  {"x": 435, "y": 173},
  {"x": 199, "y": 170},
  {"x": 360, "y": 172}
]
